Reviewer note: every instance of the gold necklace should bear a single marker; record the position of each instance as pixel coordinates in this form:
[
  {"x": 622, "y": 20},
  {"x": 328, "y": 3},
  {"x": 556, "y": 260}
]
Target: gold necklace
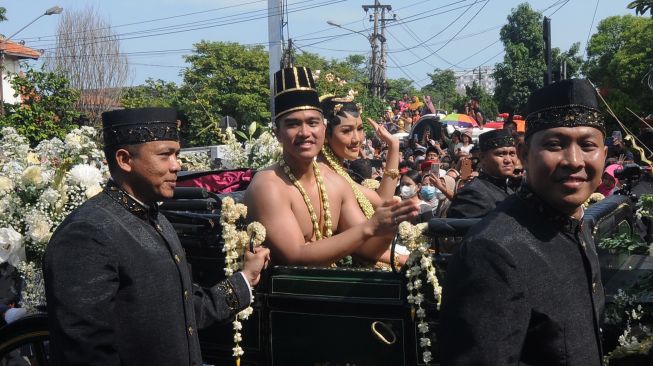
[
  {"x": 332, "y": 161},
  {"x": 324, "y": 199}
]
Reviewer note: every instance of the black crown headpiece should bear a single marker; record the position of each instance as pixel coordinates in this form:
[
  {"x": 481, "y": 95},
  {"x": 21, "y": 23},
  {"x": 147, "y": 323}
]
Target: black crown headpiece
[
  {"x": 494, "y": 139},
  {"x": 139, "y": 125},
  {"x": 567, "y": 103},
  {"x": 294, "y": 90}
]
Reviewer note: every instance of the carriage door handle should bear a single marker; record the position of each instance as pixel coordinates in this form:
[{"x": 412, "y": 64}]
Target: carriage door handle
[{"x": 376, "y": 325}]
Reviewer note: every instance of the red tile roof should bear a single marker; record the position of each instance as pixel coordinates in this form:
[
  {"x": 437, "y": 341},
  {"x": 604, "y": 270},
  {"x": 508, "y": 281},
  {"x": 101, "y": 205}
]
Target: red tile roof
[{"x": 18, "y": 50}]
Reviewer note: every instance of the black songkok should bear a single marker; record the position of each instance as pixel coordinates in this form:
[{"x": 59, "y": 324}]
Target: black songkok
[
  {"x": 294, "y": 90},
  {"x": 567, "y": 103},
  {"x": 139, "y": 125},
  {"x": 495, "y": 139}
]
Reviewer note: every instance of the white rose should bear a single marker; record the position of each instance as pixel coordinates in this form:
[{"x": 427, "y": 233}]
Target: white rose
[
  {"x": 73, "y": 141},
  {"x": 85, "y": 175},
  {"x": 39, "y": 231},
  {"x": 32, "y": 175},
  {"x": 11, "y": 246},
  {"x": 6, "y": 185},
  {"x": 50, "y": 196},
  {"x": 93, "y": 190}
]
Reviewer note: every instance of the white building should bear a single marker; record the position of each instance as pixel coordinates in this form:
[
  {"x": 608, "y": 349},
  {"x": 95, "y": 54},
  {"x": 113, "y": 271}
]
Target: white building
[
  {"x": 10, "y": 55},
  {"x": 468, "y": 77}
]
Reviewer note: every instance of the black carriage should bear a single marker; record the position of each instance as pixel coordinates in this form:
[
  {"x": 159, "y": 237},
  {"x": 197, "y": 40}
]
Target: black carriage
[{"x": 310, "y": 316}]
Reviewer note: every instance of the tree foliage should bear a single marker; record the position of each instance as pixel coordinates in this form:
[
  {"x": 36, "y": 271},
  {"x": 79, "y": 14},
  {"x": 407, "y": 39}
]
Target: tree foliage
[
  {"x": 619, "y": 59},
  {"x": 154, "y": 93},
  {"x": 224, "y": 79},
  {"x": 398, "y": 87},
  {"x": 341, "y": 78},
  {"x": 642, "y": 6},
  {"x": 523, "y": 67},
  {"x": 3, "y": 14},
  {"x": 486, "y": 100},
  {"x": 571, "y": 57},
  {"x": 47, "y": 109},
  {"x": 442, "y": 89}
]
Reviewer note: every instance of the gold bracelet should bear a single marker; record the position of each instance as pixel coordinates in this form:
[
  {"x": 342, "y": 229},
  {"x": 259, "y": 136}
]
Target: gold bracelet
[{"x": 392, "y": 173}]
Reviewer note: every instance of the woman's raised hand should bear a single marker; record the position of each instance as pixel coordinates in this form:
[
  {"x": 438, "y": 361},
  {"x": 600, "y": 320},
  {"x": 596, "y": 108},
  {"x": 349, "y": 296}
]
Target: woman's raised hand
[{"x": 382, "y": 132}]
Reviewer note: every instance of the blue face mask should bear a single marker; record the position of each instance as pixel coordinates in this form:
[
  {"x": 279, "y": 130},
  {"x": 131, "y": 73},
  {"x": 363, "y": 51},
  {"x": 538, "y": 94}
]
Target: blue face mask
[{"x": 427, "y": 193}]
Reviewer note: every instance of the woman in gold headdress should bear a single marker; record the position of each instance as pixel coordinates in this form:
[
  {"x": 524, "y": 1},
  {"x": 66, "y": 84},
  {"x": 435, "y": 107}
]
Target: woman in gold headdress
[{"x": 344, "y": 139}]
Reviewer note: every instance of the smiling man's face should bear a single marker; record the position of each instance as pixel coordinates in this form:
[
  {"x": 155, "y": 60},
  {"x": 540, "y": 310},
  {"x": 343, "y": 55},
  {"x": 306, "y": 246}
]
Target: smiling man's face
[
  {"x": 564, "y": 165},
  {"x": 301, "y": 133}
]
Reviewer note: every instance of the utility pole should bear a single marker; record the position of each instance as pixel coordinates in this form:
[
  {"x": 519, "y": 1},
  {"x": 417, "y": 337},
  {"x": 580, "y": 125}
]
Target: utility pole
[
  {"x": 378, "y": 63},
  {"x": 275, "y": 32},
  {"x": 287, "y": 58},
  {"x": 547, "y": 49}
]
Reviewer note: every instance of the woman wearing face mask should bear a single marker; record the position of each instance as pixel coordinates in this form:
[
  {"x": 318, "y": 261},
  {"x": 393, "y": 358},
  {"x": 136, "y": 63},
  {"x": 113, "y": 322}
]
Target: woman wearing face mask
[
  {"x": 410, "y": 188},
  {"x": 344, "y": 137}
]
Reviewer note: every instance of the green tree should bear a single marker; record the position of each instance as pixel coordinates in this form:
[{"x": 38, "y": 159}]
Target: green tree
[
  {"x": 486, "y": 100},
  {"x": 442, "y": 89},
  {"x": 3, "y": 14},
  {"x": 619, "y": 58},
  {"x": 224, "y": 79},
  {"x": 523, "y": 67},
  {"x": 571, "y": 57},
  {"x": 341, "y": 78},
  {"x": 47, "y": 108},
  {"x": 642, "y": 6},
  {"x": 154, "y": 93},
  {"x": 398, "y": 87}
]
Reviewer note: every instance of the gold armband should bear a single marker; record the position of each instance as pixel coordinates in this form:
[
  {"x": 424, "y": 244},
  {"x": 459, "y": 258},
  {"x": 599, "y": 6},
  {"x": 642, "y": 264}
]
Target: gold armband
[{"x": 392, "y": 173}]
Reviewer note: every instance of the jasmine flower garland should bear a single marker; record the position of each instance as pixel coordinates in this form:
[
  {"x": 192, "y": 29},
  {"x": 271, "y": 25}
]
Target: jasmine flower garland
[
  {"x": 235, "y": 243},
  {"x": 419, "y": 261}
]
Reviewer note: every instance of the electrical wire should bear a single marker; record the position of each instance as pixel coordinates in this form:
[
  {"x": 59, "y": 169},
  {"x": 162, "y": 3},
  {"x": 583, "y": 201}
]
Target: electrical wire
[
  {"x": 451, "y": 39},
  {"x": 199, "y": 25},
  {"x": 589, "y": 31}
]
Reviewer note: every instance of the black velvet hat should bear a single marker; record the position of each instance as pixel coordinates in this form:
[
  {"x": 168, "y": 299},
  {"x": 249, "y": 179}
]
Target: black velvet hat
[
  {"x": 567, "y": 103},
  {"x": 139, "y": 125},
  {"x": 495, "y": 139},
  {"x": 294, "y": 90}
]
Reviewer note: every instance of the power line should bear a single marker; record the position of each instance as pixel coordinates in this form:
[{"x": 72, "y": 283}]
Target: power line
[
  {"x": 414, "y": 36},
  {"x": 155, "y": 20},
  {"x": 560, "y": 7},
  {"x": 412, "y": 17},
  {"x": 451, "y": 39},
  {"x": 203, "y": 24},
  {"x": 589, "y": 31}
]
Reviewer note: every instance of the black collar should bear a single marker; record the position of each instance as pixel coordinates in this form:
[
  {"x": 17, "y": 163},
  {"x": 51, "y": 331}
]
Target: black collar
[
  {"x": 130, "y": 204},
  {"x": 501, "y": 182},
  {"x": 563, "y": 221}
]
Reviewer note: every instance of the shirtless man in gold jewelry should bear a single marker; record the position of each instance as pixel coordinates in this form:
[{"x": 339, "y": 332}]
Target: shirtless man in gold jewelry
[{"x": 310, "y": 213}]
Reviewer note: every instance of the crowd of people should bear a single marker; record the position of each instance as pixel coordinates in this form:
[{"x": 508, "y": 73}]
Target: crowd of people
[
  {"x": 524, "y": 286},
  {"x": 435, "y": 166}
]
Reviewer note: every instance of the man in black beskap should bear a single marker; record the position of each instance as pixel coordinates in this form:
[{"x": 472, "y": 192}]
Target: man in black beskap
[
  {"x": 525, "y": 286},
  {"x": 118, "y": 287},
  {"x": 482, "y": 195}
]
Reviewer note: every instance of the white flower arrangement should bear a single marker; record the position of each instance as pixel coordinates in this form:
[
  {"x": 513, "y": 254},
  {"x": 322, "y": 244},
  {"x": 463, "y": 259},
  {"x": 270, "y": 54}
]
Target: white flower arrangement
[
  {"x": 644, "y": 206},
  {"x": 236, "y": 242},
  {"x": 420, "y": 261},
  {"x": 255, "y": 153},
  {"x": 11, "y": 246},
  {"x": 39, "y": 187}
]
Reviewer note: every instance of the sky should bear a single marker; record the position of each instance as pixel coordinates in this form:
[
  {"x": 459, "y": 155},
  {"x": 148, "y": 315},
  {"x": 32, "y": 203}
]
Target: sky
[{"x": 427, "y": 34}]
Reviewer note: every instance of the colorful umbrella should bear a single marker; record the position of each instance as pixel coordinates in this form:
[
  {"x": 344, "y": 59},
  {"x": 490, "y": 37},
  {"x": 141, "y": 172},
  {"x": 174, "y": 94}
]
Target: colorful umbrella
[{"x": 459, "y": 120}]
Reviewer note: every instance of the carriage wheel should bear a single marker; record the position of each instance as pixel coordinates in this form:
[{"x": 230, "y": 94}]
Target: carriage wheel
[{"x": 25, "y": 341}]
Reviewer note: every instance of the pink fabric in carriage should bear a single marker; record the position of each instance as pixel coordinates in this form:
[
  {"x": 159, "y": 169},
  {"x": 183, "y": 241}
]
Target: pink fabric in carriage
[{"x": 219, "y": 182}]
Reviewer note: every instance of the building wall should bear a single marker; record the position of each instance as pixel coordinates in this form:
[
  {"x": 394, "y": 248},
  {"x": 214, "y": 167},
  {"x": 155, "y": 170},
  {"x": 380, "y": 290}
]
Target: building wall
[
  {"x": 11, "y": 67},
  {"x": 468, "y": 77}
]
